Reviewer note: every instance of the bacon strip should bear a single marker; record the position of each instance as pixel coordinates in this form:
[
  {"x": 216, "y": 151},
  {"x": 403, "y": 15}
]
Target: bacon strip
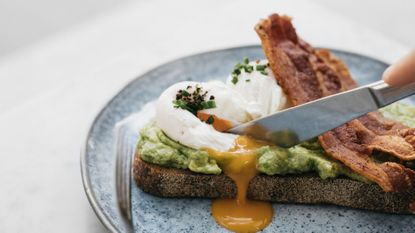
[{"x": 306, "y": 74}]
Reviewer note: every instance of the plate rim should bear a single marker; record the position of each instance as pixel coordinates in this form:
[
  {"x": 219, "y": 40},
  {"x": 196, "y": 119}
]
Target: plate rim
[{"x": 86, "y": 182}]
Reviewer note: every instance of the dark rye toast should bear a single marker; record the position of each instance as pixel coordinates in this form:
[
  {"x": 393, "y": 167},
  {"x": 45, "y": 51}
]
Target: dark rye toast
[
  {"x": 306, "y": 74},
  {"x": 301, "y": 189}
]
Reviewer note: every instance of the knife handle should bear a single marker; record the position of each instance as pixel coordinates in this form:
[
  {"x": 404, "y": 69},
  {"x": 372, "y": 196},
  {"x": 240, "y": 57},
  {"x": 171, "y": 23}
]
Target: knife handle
[{"x": 385, "y": 94}]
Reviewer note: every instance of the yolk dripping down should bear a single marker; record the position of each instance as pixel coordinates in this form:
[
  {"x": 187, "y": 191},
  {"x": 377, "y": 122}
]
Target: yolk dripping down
[{"x": 240, "y": 214}]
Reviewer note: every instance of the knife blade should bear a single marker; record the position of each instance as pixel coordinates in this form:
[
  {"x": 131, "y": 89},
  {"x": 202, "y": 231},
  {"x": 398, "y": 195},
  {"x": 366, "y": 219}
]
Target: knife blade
[{"x": 297, "y": 124}]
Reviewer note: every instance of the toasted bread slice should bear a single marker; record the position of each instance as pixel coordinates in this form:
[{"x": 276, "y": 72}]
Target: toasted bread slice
[{"x": 304, "y": 189}]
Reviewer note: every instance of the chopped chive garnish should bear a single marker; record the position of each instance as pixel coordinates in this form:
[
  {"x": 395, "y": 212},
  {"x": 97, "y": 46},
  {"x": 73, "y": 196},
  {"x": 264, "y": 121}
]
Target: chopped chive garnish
[
  {"x": 181, "y": 104},
  {"x": 185, "y": 93},
  {"x": 208, "y": 104},
  {"x": 247, "y": 68},
  {"x": 234, "y": 79},
  {"x": 193, "y": 101},
  {"x": 247, "y": 80},
  {"x": 260, "y": 67},
  {"x": 210, "y": 120}
]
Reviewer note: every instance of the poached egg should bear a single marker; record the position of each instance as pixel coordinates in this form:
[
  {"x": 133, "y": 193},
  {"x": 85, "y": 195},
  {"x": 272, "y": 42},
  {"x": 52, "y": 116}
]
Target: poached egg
[
  {"x": 186, "y": 128},
  {"x": 250, "y": 94},
  {"x": 260, "y": 89},
  {"x": 236, "y": 103}
]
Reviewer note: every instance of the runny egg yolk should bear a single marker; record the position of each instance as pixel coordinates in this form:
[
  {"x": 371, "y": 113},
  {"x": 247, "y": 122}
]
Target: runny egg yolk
[
  {"x": 218, "y": 123},
  {"x": 240, "y": 214}
]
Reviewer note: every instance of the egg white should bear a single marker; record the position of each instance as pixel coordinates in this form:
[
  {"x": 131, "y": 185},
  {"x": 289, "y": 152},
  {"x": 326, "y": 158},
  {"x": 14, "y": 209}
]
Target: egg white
[
  {"x": 184, "y": 127},
  {"x": 259, "y": 90},
  {"x": 235, "y": 102}
]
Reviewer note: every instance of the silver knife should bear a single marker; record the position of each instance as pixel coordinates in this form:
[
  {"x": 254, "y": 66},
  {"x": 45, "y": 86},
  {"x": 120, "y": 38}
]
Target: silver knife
[{"x": 297, "y": 124}]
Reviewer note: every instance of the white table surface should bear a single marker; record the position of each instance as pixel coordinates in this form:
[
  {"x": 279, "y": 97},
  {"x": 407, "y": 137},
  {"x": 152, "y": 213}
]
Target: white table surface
[{"x": 51, "y": 92}]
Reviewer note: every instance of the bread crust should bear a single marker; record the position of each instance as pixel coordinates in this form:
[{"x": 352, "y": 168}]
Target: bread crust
[{"x": 301, "y": 189}]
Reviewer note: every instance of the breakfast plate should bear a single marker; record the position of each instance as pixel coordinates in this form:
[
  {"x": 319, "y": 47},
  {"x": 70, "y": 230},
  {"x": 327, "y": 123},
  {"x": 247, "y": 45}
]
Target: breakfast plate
[{"x": 154, "y": 214}]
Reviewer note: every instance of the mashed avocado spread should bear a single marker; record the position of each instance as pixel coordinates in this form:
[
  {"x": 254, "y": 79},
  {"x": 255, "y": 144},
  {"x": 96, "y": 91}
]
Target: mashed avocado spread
[{"x": 155, "y": 147}]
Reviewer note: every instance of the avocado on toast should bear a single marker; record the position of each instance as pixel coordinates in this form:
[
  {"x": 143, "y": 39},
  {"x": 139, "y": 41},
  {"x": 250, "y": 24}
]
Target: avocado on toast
[{"x": 374, "y": 155}]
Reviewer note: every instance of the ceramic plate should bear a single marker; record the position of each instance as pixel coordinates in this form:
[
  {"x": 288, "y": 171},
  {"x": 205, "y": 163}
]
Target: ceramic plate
[{"x": 154, "y": 214}]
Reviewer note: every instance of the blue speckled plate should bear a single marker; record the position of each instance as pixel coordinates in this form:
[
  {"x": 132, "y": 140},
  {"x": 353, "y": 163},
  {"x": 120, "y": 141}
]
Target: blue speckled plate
[{"x": 154, "y": 214}]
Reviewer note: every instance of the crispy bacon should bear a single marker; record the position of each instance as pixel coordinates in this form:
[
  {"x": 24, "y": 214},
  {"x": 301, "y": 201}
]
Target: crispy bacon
[{"x": 306, "y": 74}]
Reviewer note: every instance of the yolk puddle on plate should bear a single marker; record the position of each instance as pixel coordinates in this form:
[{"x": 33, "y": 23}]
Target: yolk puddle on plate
[{"x": 240, "y": 214}]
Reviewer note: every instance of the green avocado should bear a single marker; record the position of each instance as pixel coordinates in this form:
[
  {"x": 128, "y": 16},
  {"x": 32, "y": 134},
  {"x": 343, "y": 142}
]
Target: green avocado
[
  {"x": 155, "y": 147},
  {"x": 302, "y": 158},
  {"x": 403, "y": 113}
]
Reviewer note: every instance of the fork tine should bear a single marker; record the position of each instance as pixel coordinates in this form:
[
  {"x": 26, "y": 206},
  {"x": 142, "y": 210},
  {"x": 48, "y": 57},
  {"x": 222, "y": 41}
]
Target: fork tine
[{"x": 124, "y": 153}]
